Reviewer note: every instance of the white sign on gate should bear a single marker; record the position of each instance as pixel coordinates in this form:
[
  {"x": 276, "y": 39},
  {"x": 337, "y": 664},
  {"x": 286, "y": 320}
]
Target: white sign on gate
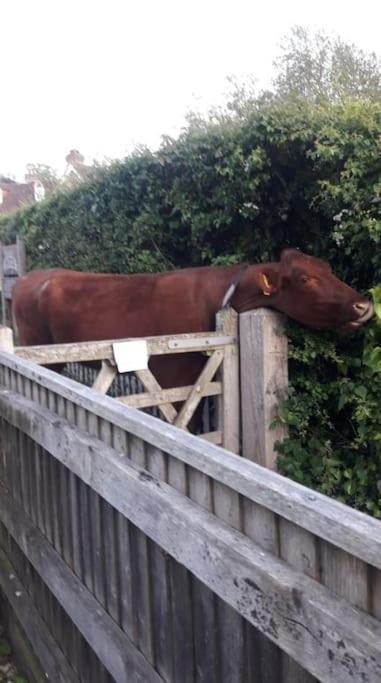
[{"x": 131, "y": 355}]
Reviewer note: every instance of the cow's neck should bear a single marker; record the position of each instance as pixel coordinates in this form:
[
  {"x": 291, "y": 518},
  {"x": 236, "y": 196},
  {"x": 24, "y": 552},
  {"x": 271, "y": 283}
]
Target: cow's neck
[{"x": 249, "y": 292}]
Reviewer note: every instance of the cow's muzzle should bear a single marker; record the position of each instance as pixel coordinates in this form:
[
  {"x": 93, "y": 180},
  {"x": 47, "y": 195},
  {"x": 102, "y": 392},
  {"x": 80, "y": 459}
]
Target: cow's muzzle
[{"x": 364, "y": 311}]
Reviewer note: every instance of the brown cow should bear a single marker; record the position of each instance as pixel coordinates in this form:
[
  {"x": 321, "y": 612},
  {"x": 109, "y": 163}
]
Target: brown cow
[{"x": 57, "y": 306}]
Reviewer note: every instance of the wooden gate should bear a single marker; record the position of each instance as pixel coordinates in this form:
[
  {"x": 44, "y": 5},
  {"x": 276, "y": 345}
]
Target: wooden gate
[{"x": 219, "y": 377}]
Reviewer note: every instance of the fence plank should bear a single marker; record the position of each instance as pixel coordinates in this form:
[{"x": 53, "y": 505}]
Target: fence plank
[
  {"x": 375, "y": 592},
  {"x": 230, "y": 411},
  {"x": 84, "y": 536},
  {"x": 105, "y": 378},
  {"x": 50, "y": 655},
  {"x": 141, "y": 577},
  {"x": 128, "y": 598},
  {"x": 264, "y": 656},
  {"x": 181, "y": 598},
  {"x": 300, "y": 550},
  {"x": 345, "y": 574},
  {"x": 103, "y": 350},
  {"x": 156, "y": 398},
  {"x": 204, "y": 602},
  {"x": 231, "y": 634},
  {"x": 160, "y": 584}
]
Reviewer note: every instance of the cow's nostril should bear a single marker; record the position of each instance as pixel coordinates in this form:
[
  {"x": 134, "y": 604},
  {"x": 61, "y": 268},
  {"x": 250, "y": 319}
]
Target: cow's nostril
[{"x": 361, "y": 307}]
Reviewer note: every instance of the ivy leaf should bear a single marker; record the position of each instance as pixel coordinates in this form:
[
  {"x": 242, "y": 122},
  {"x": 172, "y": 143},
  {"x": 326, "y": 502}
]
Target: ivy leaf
[
  {"x": 342, "y": 401},
  {"x": 361, "y": 391}
]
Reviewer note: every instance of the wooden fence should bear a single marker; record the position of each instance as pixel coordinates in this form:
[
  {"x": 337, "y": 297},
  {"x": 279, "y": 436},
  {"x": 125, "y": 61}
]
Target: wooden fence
[{"x": 134, "y": 551}]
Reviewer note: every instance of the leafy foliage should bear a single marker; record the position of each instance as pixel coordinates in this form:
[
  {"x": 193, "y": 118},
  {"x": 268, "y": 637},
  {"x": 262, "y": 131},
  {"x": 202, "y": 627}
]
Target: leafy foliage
[
  {"x": 269, "y": 173},
  {"x": 316, "y": 67},
  {"x": 333, "y": 414}
]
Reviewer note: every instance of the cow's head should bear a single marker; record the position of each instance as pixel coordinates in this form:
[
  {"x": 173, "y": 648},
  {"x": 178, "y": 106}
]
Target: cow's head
[{"x": 305, "y": 288}]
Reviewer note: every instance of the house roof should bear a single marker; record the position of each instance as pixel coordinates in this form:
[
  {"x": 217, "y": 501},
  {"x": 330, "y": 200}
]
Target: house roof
[{"x": 16, "y": 195}]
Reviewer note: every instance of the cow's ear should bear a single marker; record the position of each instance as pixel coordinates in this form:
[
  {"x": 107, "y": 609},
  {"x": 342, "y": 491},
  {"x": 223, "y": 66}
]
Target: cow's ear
[{"x": 268, "y": 282}]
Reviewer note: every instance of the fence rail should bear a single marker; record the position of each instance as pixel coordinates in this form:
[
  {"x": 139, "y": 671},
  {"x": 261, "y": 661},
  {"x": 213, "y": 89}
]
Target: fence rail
[{"x": 150, "y": 555}]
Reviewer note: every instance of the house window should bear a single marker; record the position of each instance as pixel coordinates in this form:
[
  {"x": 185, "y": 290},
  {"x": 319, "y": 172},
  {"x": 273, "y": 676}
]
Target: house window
[{"x": 39, "y": 191}]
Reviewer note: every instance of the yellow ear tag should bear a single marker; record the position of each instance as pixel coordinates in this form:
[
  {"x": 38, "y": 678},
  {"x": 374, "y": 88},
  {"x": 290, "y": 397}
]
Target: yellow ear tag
[{"x": 267, "y": 285}]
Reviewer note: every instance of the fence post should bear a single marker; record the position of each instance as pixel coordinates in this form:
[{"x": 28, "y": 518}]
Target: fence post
[
  {"x": 229, "y": 406},
  {"x": 6, "y": 339},
  {"x": 3, "y": 301},
  {"x": 12, "y": 266},
  {"x": 264, "y": 380},
  {"x": 21, "y": 255}
]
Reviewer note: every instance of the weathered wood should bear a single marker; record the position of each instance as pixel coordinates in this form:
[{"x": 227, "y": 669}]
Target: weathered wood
[
  {"x": 196, "y": 394},
  {"x": 6, "y": 339},
  {"x": 102, "y": 350},
  {"x": 181, "y": 596},
  {"x": 4, "y": 319},
  {"x": 156, "y": 398},
  {"x": 375, "y": 592},
  {"x": 345, "y": 575},
  {"x": 264, "y": 381},
  {"x": 229, "y": 408},
  {"x": 122, "y": 660},
  {"x": 105, "y": 377},
  {"x": 151, "y": 384},
  {"x": 304, "y": 618},
  {"x": 12, "y": 265},
  {"x": 21, "y": 255},
  {"x": 140, "y": 567},
  {"x": 348, "y": 529},
  {"x": 264, "y": 656},
  {"x": 160, "y": 585},
  {"x": 49, "y": 653},
  {"x": 300, "y": 550},
  {"x": 127, "y": 606},
  {"x": 111, "y": 565},
  {"x": 231, "y": 626},
  {"x": 212, "y": 437},
  {"x": 204, "y": 602},
  {"x": 84, "y": 536}
]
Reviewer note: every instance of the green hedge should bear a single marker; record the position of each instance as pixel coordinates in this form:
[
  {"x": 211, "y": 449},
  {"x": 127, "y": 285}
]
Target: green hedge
[{"x": 233, "y": 189}]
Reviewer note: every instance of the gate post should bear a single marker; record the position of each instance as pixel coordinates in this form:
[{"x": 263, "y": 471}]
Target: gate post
[
  {"x": 6, "y": 339},
  {"x": 264, "y": 380}
]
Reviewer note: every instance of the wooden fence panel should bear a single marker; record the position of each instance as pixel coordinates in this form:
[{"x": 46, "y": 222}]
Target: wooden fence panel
[{"x": 184, "y": 539}]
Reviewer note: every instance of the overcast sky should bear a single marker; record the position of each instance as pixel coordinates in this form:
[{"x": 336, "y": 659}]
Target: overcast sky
[{"x": 103, "y": 76}]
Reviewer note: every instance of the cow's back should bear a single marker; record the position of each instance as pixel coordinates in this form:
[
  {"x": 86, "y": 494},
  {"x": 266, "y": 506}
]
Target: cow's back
[{"x": 57, "y": 306}]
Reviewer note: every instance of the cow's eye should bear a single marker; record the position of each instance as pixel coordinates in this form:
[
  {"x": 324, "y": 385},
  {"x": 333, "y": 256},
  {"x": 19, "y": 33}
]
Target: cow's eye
[{"x": 304, "y": 279}]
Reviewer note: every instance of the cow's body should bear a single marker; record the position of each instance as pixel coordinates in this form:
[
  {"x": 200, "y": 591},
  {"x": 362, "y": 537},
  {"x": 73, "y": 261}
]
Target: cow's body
[
  {"x": 58, "y": 306},
  {"x": 97, "y": 306}
]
